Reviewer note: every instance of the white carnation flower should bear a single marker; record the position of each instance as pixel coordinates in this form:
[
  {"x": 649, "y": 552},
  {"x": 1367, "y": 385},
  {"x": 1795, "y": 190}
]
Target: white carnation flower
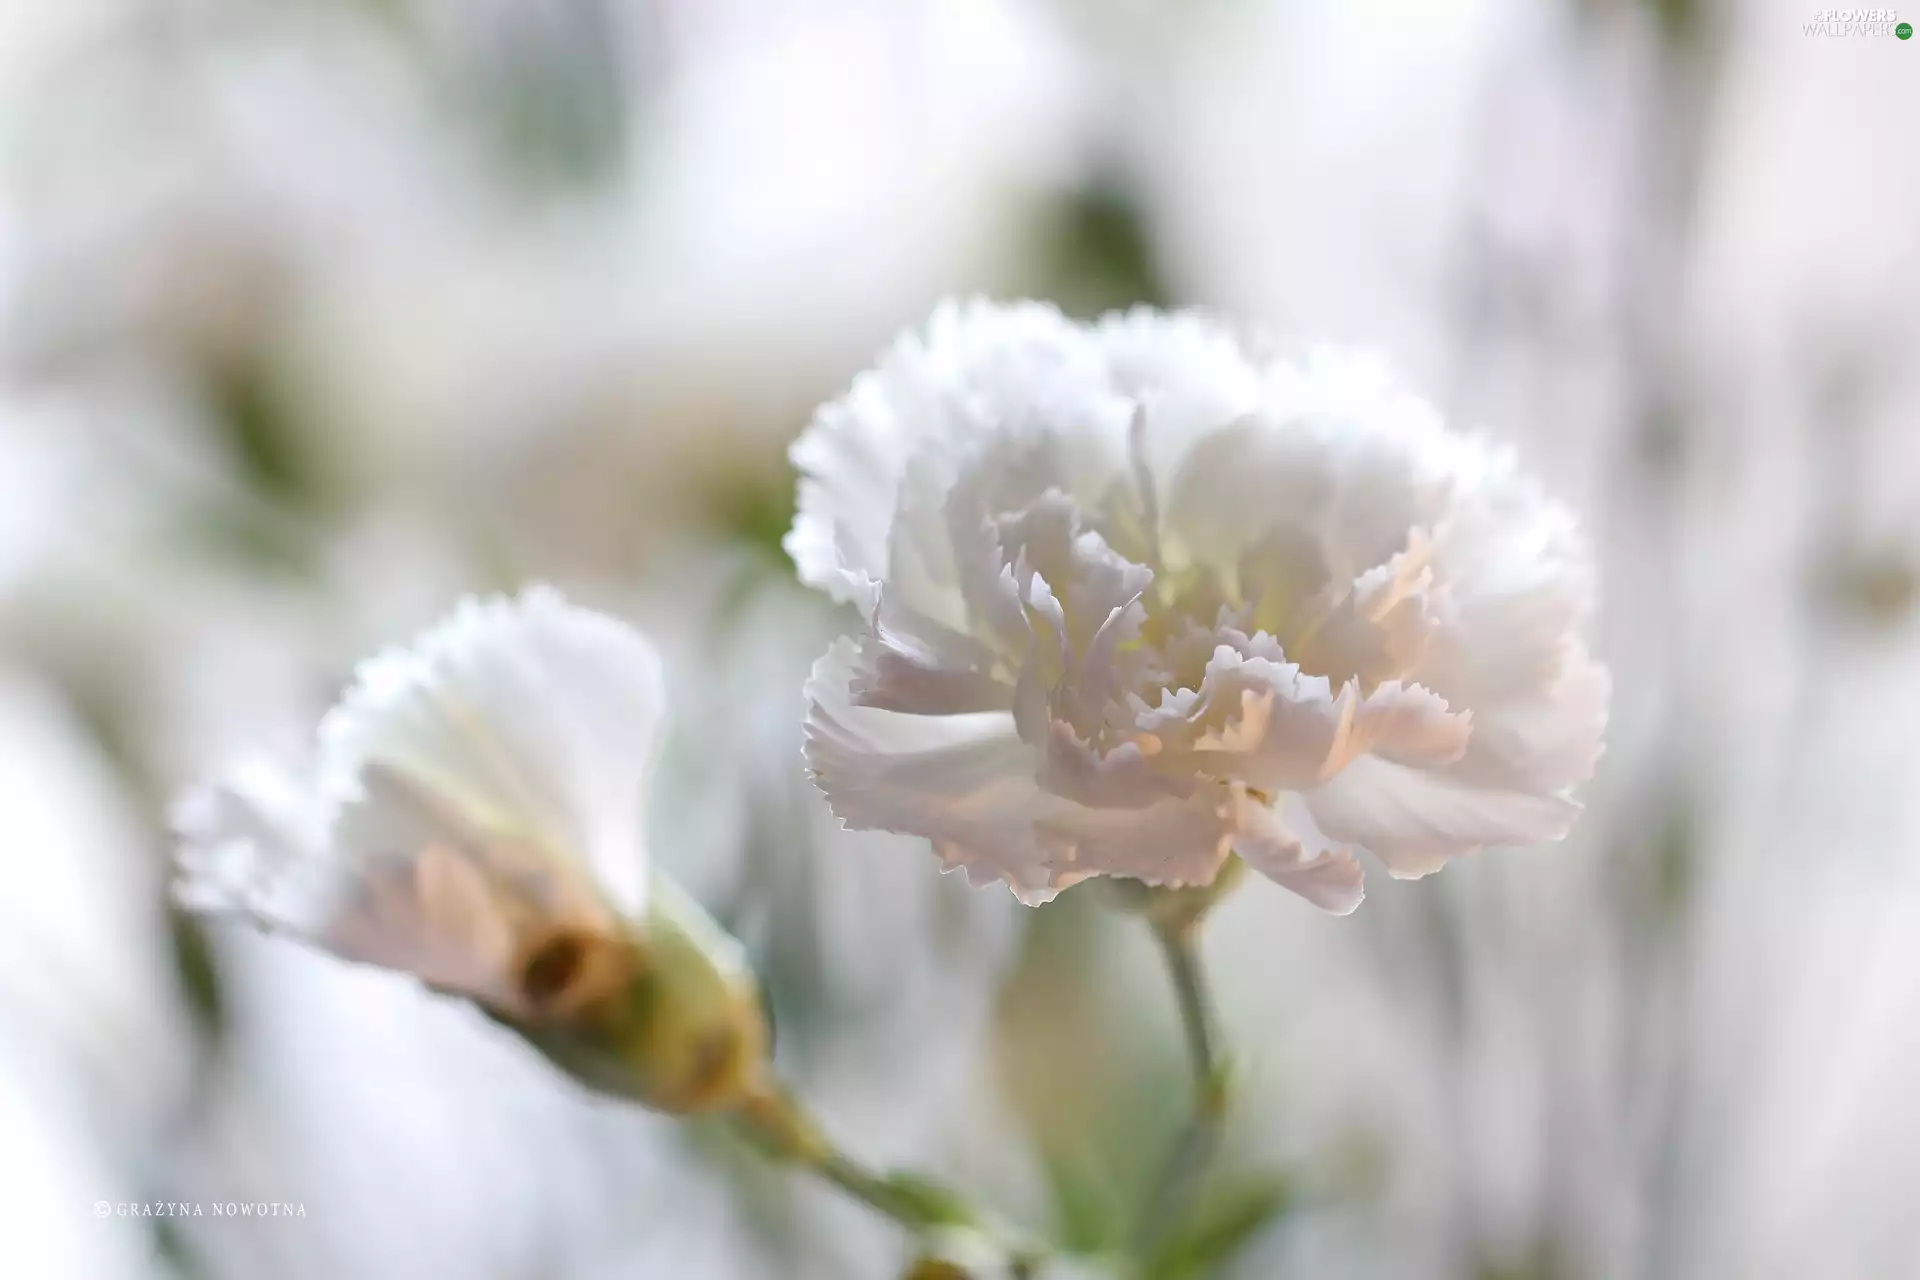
[
  {"x": 1141, "y": 597},
  {"x": 471, "y": 813}
]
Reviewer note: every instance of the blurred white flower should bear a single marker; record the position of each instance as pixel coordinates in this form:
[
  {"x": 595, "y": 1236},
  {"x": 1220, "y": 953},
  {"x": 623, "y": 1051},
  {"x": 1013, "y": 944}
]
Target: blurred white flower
[
  {"x": 472, "y": 798},
  {"x": 93, "y": 1058},
  {"x": 1142, "y": 597}
]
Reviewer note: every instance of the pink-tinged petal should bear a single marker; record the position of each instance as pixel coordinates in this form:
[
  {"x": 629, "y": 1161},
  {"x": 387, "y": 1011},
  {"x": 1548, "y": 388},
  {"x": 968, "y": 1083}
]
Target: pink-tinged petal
[
  {"x": 1414, "y": 820},
  {"x": 972, "y": 787},
  {"x": 450, "y": 896},
  {"x": 985, "y": 580},
  {"x": 526, "y": 716},
  {"x": 1126, "y": 776},
  {"x": 913, "y": 664},
  {"x": 1380, "y": 627},
  {"x": 880, "y": 767},
  {"x": 1410, "y": 725},
  {"x": 1331, "y": 879},
  {"x": 1266, "y": 724},
  {"x": 472, "y": 791},
  {"x": 1548, "y": 741}
]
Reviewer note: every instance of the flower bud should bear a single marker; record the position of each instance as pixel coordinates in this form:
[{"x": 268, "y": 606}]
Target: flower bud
[{"x": 471, "y": 813}]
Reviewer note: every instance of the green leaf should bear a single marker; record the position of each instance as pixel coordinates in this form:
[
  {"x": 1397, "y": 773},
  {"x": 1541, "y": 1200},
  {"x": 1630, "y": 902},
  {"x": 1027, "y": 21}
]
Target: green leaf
[
  {"x": 1234, "y": 1212},
  {"x": 1086, "y": 1207},
  {"x": 263, "y": 436},
  {"x": 1101, "y": 252},
  {"x": 198, "y": 973}
]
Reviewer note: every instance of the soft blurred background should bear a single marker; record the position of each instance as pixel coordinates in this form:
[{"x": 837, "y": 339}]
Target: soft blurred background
[{"x": 315, "y": 314}]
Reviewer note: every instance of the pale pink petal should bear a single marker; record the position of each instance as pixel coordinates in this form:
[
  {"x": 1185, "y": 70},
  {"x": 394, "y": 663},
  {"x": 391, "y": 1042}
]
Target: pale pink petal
[
  {"x": 1331, "y": 879},
  {"x": 972, "y": 786},
  {"x": 1414, "y": 820}
]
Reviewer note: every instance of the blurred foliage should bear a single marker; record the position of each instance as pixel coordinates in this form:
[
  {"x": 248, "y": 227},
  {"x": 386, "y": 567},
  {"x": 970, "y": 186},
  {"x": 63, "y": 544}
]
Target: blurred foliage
[
  {"x": 755, "y": 513},
  {"x": 273, "y": 451},
  {"x": 1104, "y": 1100},
  {"x": 1542, "y": 1261},
  {"x": 1238, "y": 1209},
  {"x": 1681, "y": 23},
  {"x": 1663, "y": 439},
  {"x": 545, "y": 90},
  {"x": 788, "y": 951},
  {"x": 1072, "y": 1086},
  {"x": 259, "y": 537},
  {"x": 550, "y": 88},
  {"x": 198, "y": 972},
  {"x": 1676, "y": 859},
  {"x": 765, "y": 1195},
  {"x": 175, "y": 1248},
  {"x": 1100, "y": 254}
]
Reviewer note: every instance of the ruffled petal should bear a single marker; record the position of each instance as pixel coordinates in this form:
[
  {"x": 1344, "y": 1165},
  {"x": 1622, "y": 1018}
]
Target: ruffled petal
[
  {"x": 971, "y": 785},
  {"x": 528, "y": 719},
  {"x": 1265, "y": 723},
  {"x": 1329, "y": 878},
  {"x": 915, "y": 665},
  {"x": 461, "y": 904},
  {"x": 1414, "y": 820},
  {"x": 1545, "y": 742},
  {"x": 1410, "y": 725},
  {"x": 473, "y": 797},
  {"x": 977, "y": 368},
  {"x": 253, "y": 843},
  {"x": 850, "y": 461},
  {"x": 1380, "y": 627}
]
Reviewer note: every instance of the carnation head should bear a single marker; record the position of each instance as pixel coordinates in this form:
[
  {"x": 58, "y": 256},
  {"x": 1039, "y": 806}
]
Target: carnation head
[
  {"x": 1140, "y": 597},
  {"x": 470, "y": 813}
]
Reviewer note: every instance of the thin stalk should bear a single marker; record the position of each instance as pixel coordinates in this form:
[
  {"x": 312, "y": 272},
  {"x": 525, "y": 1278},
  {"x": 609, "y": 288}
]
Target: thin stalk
[
  {"x": 776, "y": 1123},
  {"x": 1186, "y": 1167}
]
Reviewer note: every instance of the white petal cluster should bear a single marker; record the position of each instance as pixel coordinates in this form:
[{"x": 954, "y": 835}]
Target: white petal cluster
[
  {"x": 471, "y": 795},
  {"x": 1140, "y": 596}
]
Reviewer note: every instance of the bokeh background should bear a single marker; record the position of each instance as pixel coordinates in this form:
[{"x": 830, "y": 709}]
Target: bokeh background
[{"x": 315, "y": 314}]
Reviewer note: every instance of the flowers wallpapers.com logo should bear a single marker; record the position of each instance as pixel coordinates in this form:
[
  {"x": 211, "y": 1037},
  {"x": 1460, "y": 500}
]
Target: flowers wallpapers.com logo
[{"x": 1858, "y": 22}]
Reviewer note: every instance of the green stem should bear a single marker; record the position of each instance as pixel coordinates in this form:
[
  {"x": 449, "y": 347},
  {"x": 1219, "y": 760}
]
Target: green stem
[
  {"x": 1180, "y": 945},
  {"x": 1186, "y": 1166},
  {"x": 776, "y": 1123}
]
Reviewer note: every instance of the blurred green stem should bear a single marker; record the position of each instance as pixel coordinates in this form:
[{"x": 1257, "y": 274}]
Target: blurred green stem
[
  {"x": 1180, "y": 943},
  {"x": 776, "y": 1123},
  {"x": 1186, "y": 1167}
]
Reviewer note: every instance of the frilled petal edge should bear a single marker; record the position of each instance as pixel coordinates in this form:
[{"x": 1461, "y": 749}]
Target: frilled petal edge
[
  {"x": 1415, "y": 820},
  {"x": 472, "y": 793},
  {"x": 971, "y": 785}
]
